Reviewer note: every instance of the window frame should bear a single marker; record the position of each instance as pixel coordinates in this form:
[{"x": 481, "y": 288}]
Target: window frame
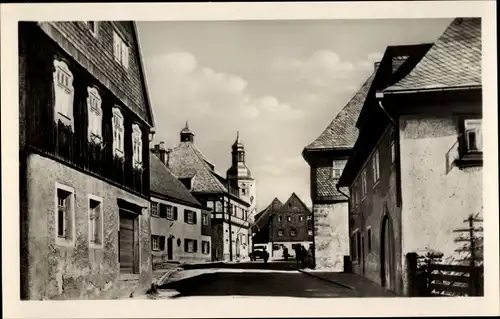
[
  {"x": 280, "y": 218},
  {"x": 155, "y": 212},
  {"x": 280, "y": 231},
  {"x": 97, "y": 199},
  {"x": 121, "y": 49},
  {"x": 94, "y": 115},
  {"x": 157, "y": 238},
  {"x": 64, "y": 93},
  {"x": 301, "y": 218},
  {"x": 69, "y": 238},
  {"x": 337, "y": 168},
  {"x": 364, "y": 184},
  {"x": 466, "y": 156},
  {"x": 293, "y": 232},
  {"x": 376, "y": 167},
  {"x": 204, "y": 219},
  {"x": 137, "y": 146},
  {"x": 118, "y": 145},
  {"x": 94, "y": 31}
]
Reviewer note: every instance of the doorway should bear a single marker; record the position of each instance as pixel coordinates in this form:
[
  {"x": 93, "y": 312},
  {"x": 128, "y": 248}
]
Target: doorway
[
  {"x": 170, "y": 248},
  {"x": 128, "y": 254},
  {"x": 387, "y": 253}
]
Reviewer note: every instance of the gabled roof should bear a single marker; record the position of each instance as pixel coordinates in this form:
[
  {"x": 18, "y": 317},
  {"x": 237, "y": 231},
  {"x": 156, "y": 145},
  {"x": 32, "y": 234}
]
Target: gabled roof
[
  {"x": 164, "y": 183},
  {"x": 454, "y": 60},
  {"x": 186, "y": 160},
  {"x": 262, "y": 218},
  {"x": 142, "y": 72},
  {"x": 342, "y": 133},
  {"x": 294, "y": 204}
]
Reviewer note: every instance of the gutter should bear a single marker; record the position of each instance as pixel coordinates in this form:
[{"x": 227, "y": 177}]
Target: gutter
[
  {"x": 451, "y": 88},
  {"x": 380, "y": 96}
]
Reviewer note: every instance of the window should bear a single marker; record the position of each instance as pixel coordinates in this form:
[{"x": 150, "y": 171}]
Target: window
[
  {"x": 137, "y": 146},
  {"x": 293, "y": 232},
  {"x": 95, "y": 221},
  {"x": 64, "y": 94},
  {"x": 301, "y": 218},
  {"x": 95, "y": 115},
  {"x": 155, "y": 242},
  {"x": 280, "y": 218},
  {"x": 205, "y": 247},
  {"x": 204, "y": 219},
  {"x": 243, "y": 191},
  {"x": 93, "y": 27},
  {"x": 189, "y": 216},
  {"x": 171, "y": 212},
  {"x": 289, "y": 218},
  {"x": 393, "y": 147},
  {"x": 369, "y": 235},
  {"x": 355, "y": 194},
  {"x": 363, "y": 184},
  {"x": 473, "y": 136},
  {"x": 309, "y": 232},
  {"x": 65, "y": 215},
  {"x": 190, "y": 246},
  {"x": 120, "y": 50},
  {"x": 232, "y": 210},
  {"x": 281, "y": 233},
  {"x": 118, "y": 133},
  {"x": 210, "y": 205},
  {"x": 154, "y": 209},
  {"x": 218, "y": 206},
  {"x": 338, "y": 167},
  {"x": 355, "y": 245},
  {"x": 376, "y": 167}
]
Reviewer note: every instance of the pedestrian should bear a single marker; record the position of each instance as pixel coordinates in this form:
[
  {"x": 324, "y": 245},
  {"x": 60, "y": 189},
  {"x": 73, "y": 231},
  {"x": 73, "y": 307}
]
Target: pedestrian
[
  {"x": 285, "y": 252},
  {"x": 266, "y": 255},
  {"x": 298, "y": 254},
  {"x": 303, "y": 255}
]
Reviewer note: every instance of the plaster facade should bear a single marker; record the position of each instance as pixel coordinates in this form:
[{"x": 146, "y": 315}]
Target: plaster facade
[{"x": 77, "y": 270}]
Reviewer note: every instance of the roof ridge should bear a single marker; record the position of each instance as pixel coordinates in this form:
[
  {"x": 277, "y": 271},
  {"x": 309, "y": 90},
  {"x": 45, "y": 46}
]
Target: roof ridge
[{"x": 204, "y": 165}]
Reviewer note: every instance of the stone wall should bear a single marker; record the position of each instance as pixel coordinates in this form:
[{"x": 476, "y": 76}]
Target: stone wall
[{"x": 54, "y": 271}]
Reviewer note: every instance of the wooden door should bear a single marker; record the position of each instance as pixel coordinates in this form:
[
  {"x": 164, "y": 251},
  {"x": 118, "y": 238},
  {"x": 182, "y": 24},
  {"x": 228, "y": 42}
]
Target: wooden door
[
  {"x": 127, "y": 245},
  {"x": 386, "y": 256}
]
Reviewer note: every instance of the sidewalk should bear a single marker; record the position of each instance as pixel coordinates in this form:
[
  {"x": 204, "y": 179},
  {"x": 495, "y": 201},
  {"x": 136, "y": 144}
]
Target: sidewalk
[{"x": 361, "y": 286}]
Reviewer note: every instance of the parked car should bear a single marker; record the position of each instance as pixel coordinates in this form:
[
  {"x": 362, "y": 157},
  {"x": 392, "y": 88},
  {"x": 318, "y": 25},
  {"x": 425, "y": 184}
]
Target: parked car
[{"x": 259, "y": 252}]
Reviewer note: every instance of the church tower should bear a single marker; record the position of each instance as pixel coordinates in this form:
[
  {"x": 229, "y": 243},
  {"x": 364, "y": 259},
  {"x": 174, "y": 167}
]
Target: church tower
[{"x": 239, "y": 176}]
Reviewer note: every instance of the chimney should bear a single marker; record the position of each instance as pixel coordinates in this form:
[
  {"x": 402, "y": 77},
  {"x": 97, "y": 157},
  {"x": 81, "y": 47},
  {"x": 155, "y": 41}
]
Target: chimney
[
  {"x": 159, "y": 150},
  {"x": 376, "y": 65},
  {"x": 168, "y": 157}
]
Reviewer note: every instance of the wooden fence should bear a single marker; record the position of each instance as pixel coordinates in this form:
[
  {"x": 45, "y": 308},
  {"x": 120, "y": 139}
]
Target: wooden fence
[{"x": 444, "y": 280}]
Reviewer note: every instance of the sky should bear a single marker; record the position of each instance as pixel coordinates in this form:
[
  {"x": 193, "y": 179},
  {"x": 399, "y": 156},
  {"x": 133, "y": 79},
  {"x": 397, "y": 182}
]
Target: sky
[{"x": 279, "y": 83}]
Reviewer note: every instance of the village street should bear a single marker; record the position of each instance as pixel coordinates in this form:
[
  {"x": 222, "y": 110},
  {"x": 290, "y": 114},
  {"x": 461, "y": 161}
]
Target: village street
[{"x": 274, "y": 279}]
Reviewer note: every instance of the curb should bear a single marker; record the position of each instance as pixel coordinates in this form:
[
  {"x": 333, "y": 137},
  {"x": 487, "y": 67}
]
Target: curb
[
  {"x": 160, "y": 281},
  {"x": 327, "y": 280}
]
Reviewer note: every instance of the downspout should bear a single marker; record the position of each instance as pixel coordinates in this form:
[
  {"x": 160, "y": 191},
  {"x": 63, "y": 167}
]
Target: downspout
[{"x": 380, "y": 96}]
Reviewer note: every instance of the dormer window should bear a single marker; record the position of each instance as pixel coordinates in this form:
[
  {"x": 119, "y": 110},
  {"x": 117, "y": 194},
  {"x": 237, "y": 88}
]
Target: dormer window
[
  {"x": 338, "y": 167},
  {"x": 93, "y": 27},
  {"x": 118, "y": 133},
  {"x": 120, "y": 50},
  {"x": 137, "y": 146},
  {"x": 95, "y": 115},
  {"x": 64, "y": 93}
]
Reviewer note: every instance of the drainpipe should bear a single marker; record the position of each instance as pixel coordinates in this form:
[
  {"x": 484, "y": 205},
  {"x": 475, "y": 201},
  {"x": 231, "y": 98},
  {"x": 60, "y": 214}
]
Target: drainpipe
[
  {"x": 348, "y": 218},
  {"x": 380, "y": 96}
]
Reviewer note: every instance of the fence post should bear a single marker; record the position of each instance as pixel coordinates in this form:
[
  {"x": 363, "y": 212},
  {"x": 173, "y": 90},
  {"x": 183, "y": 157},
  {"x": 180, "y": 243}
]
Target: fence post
[{"x": 411, "y": 268}]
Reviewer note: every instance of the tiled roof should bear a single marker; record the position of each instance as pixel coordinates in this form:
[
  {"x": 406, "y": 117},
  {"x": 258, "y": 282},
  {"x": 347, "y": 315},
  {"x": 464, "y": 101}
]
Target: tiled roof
[
  {"x": 164, "y": 183},
  {"x": 453, "y": 61},
  {"x": 262, "y": 218},
  {"x": 342, "y": 131},
  {"x": 186, "y": 160}
]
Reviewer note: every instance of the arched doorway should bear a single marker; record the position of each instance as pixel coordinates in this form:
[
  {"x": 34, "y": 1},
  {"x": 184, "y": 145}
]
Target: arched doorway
[{"x": 387, "y": 253}]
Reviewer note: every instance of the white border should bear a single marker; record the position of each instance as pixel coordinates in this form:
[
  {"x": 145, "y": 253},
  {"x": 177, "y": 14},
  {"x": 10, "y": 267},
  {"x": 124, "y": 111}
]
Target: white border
[{"x": 241, "y": 306}]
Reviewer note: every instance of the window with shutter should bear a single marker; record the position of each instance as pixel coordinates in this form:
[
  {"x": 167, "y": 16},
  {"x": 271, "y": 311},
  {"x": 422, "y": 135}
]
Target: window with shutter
[
  {"x": 95, "y": 221},
  {"x": 376, "y": 167},
  {"x": 175, "y": 213},
  {"x": 162, "y": 243},
  {"x": 154, "y": 209},
  {"x": 186, "y": 248},
  {"x": 170, "y": 212},
  {"x": 195, "y": 219},
  {"x": 117, "y": 47},
  {"x": 64, "y": 94},
  {"x": 163, "y": 210},
  {"x": 120, "y": 50}
]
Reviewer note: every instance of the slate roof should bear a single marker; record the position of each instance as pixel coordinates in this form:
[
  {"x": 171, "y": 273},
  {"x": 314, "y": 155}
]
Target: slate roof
[
  {"x": 163, "y": 182},
  {"x": 453, "y": 61},
  {"x": 262, "y": 218},
  {"x": 342, "y": 131},
  {"x": 186, "y": 160}
]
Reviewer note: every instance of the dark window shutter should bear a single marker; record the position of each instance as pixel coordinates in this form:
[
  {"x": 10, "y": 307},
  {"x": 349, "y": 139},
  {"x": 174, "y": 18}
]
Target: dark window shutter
[
  {"x": 185, "y": 216},
  {"x": 163, "y": 210},
  {"x": 162, "y": 243},
  {"x": 208, "y": 247},
  {"x": 185, "y": 245},
  {"x": 194, "y": 217},
  {"x": 195, "y": 245},
  {"x": 175, "y": 212}
]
